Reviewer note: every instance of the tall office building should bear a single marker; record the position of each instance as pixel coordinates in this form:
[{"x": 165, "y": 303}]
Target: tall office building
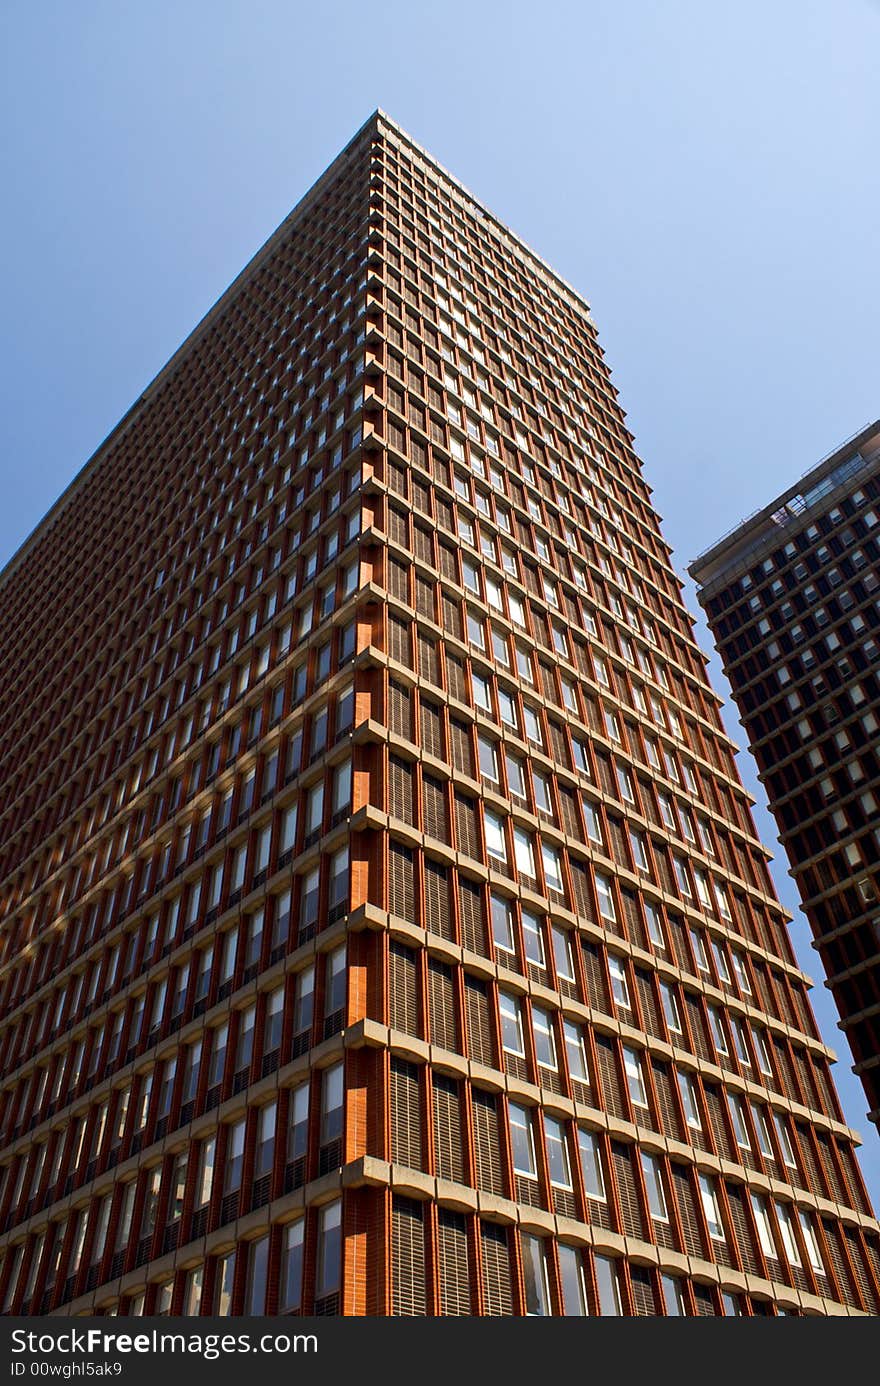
[
  {"x": 793, "y": 599},
  {"x": 385, "y": 927}
]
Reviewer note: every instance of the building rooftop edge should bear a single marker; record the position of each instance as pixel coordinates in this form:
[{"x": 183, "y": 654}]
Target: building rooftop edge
[
  {"x": 730, "y": 550},
  {"x": 250, "y": 268},
  {"x": 178, "y": 355},
  {"x": 482, "y": 207}
]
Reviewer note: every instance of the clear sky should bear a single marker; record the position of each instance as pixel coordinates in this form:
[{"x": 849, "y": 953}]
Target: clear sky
[{"x": 706, "y": 175}]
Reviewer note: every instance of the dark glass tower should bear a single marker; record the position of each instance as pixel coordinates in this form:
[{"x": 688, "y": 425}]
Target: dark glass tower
[{"x": 792, "y": 599}]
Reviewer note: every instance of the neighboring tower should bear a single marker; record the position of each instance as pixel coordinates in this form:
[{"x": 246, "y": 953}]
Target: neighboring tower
[
  {"x": 385, "y": 926},
  {"x": 792, "y": 597}
]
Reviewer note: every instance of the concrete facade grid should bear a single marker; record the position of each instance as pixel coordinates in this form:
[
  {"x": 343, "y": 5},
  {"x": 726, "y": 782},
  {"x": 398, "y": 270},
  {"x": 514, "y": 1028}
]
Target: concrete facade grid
[{"x": 385, "y": 927}]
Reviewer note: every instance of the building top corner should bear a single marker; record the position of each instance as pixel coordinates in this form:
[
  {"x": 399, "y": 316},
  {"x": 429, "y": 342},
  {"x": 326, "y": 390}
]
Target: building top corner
[{"x": 783, "y": 516}]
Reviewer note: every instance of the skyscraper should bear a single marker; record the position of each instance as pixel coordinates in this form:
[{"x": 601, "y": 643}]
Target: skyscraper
[
  {"x": 385, "y": 927},
  {"x": 791, "y": 596}
]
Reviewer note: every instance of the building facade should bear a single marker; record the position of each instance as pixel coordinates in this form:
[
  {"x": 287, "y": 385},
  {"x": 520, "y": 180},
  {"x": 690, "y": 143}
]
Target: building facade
[
  {"x": 385, "y": 929},
  {"x": 791, "y": 596}
]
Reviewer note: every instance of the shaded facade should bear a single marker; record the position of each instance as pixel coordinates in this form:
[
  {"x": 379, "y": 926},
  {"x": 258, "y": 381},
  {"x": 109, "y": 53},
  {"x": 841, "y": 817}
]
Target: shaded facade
[
  {"x": 385, "y": 927},
  {"x": 791, "y": 597}
]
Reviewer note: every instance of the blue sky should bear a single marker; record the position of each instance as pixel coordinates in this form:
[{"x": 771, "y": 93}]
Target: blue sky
[{"x": 705, "y": 175}]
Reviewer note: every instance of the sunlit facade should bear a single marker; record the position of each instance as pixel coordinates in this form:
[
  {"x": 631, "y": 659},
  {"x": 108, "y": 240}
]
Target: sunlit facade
[{"x": 385, "y": 928}]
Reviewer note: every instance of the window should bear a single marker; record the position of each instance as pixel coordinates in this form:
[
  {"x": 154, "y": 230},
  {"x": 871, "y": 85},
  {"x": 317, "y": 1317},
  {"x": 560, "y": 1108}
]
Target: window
[
  {"x": 637, "y": 845},
  {"x": 523, "y": 853},
  {"x": 225, "y": 1277},
  {"x": 488, "y": 759},
  {"x": 545, "y": 1044},
  {"x": 308, "y": 907},
  {"x": 562, "y": 955},
  {"x": 718, "y": 1034},
  {"x": 511, "y": 1024},
  {"x": 164, "y": 1297},
  {"x": 245, "y": 1046},
  {"x": 337, "y": 890},
  {"x": 205, "y": 1175},
  {"x": 608, "y": 1286},
  {"x": 673, "y": 1295},
  {"x": 742, "y": 976},
  {"x": 258, "y": 1262},
  {"x": 594, "y": 826},
  {"x": 575, "y": 1053},
  {"x": 591, "y": 1164},
  {"x": 543, "y": 801},
  {"x": 166, "y": 1088},
  {"x": 290, "y": 1283},
  {"x": 625, "y": 784},
  {"x": 809, "y": 1234},
  {"x": 331, "y": 1104},
  {"x": 329, "y": 1248},
  {"x": 765, "y": 1143},
  {"x": 552, "y": 863},
  {"x": 499, "y": 649},
  {"x": 655, "y": 928},
  {"x": 287, "y": 834},
  {"x": 557, "y": 1154},
  {"x": 762, "y": 1222},
  {"x": 522, "y": 1142},
  {"x": 571, "y": 1275},
  {"x": 265, "y": 1140},
  {"x": 738, "y": 1119},
  {"x": 533, "y": 938},
  {"x": 700, "y": 954},
  {"x": 670, "y": 1008},
  {"x": 533, "y": 726},
  {"x": 782, "y": 1132},
  {"x": 261, "y": 855},
  {"x": 335, "y": 980},
  {"x": 688, "y": 1094},
  {"x": 605, "y": 897},
  {"x": 493, "y": 827},
  {"x": 341, "y": 790},
  {"x": 760, "y": 1039},
  {"x": 218, "y": 1055},
  {"x": 724, "y": 911},
  {"x": 711, "y": 1211},
  {"x": 304, "y": 1001},
  {"x": 632, "y": 1064},
  {"x": 537, "y": 1298},
  {"x": 101, "y": 1227},
  {"x": 681, "y": 876},
  {"x": 344, "y": 709},
  {"x": 516, "y": 780},
  {"x": 507, "y": 708},
  {"x": 192, "y": 1293},
  {"x": 654, "y": 1186},
  {"x": 739, "y": 1034},
  {"x": 619, "y": 989},
  {"x": 234, "y": 1156},
  {"x": 787, "y": 1232},
  {"x": 703, "y": 894},
  {"x": 502, "y": 915},
  {"x": 253, "y": 937},
  {"x": 314, "y": 810},
  {"x": 298, "y": 1123}
]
